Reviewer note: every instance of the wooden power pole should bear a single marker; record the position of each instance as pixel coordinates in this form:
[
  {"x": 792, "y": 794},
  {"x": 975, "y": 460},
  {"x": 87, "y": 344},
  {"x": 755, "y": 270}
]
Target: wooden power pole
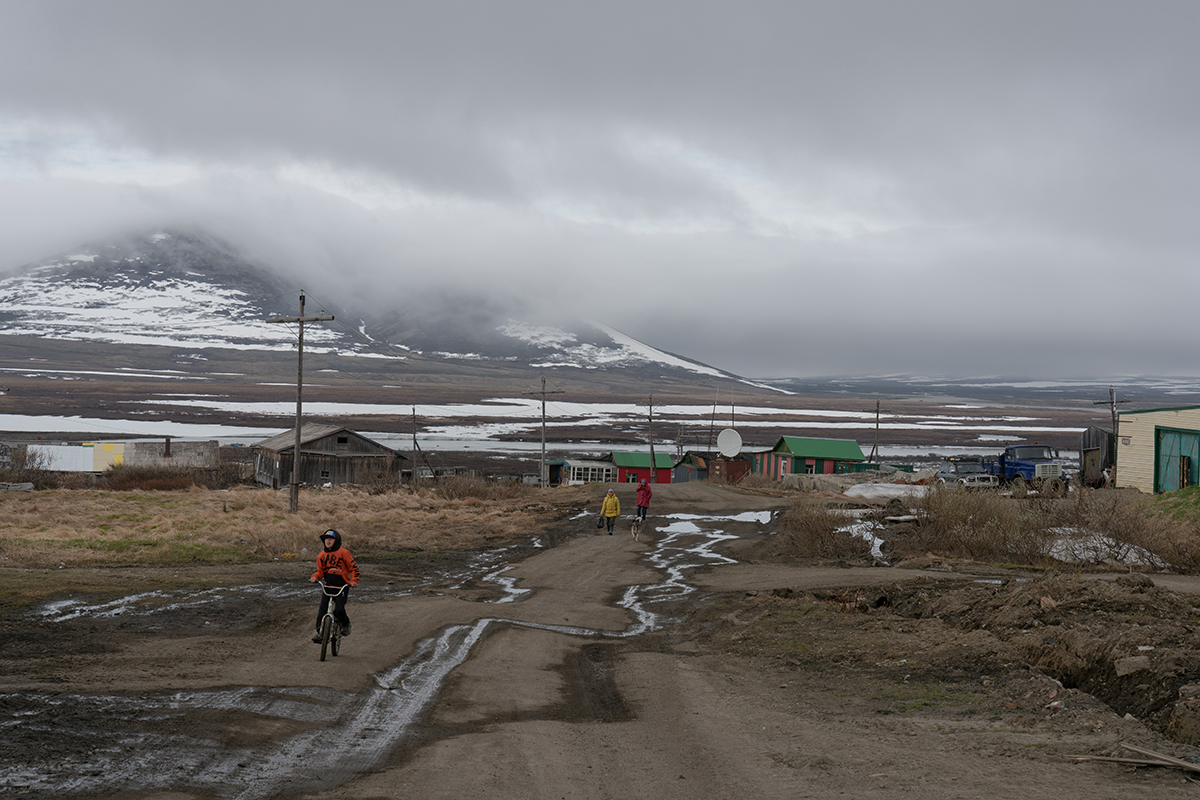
[
  {"x": 543, "y": 478},
  {"x": 653, "y": 463},
  {"x": 874, "y": 457},
  {"x": 294, "y": 486},
  {"x": 1112, "y": 402}
]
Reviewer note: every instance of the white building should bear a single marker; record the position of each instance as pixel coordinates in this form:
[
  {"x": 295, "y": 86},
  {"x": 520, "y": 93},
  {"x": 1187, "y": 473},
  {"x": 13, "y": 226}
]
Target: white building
[{"x": 1158, "y": 450}]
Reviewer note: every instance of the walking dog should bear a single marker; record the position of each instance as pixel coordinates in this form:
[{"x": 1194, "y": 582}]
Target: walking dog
[{"x": 635, "y": 527}]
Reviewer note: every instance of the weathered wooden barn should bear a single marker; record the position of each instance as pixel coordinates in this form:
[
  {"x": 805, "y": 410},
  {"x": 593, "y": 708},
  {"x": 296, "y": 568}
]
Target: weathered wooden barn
[
  {"x": 329, "y": 455},
  {"x": 1158, "y": 450},
  {"x": 701, "y": 466},
  {"x": 794, "y": 455}
]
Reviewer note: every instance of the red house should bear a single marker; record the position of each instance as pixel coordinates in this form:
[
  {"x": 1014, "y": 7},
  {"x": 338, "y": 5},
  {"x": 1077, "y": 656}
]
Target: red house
[{"x": 635, "y": 467}]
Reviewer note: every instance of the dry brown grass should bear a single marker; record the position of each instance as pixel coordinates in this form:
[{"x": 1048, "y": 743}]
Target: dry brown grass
[
  {"x": 1090, "y": 526},
  {"x": 981, "y": 526},
  {"x": 98, "y": 527},
  {"x": 756, "y": 481},
  {"x": 813, "y": 530}
]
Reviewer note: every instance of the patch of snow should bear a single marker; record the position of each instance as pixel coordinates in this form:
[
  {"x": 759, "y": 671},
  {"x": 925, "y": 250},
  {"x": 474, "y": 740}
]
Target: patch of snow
[
  {"x": 885, "y": 491},
  {"x": 538, "y": 336}
]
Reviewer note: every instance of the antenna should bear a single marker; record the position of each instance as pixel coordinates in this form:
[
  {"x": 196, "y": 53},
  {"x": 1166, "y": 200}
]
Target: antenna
[{"x": 729, "y": 442}]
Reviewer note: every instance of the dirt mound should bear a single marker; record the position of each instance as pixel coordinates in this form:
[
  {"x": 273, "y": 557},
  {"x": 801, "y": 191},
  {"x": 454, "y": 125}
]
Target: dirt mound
[{"x": 1123, "y": 644}]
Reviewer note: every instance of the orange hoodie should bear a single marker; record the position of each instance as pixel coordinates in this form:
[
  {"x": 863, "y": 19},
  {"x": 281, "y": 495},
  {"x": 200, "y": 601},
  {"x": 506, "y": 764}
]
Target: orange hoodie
[{"x": 337, "y": 562}]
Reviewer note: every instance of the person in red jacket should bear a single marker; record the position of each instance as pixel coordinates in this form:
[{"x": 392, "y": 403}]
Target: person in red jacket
[
  {"x": 643, "y": 498},
  {"x": 336, "y": 567}
]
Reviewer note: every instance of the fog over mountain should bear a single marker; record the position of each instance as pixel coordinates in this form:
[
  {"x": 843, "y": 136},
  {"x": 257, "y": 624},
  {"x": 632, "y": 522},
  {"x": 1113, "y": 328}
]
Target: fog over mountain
[
  {"x": 191, "y": 291},
  {"x": 807, "y": 188}
]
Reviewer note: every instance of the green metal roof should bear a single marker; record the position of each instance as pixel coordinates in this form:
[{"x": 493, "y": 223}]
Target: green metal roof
[
  {"x": 642, "y": 460},
  {"x": 835, "y": 449},
  {"x": 1152, "y": 410}
]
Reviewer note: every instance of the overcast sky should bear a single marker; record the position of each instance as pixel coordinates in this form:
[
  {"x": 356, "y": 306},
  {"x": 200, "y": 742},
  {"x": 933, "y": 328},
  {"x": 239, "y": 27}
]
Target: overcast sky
[{"x": 774, "y": 188}]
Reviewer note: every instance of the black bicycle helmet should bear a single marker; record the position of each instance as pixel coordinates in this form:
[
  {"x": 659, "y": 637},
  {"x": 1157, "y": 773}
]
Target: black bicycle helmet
[{"x": 337, "y": 537}]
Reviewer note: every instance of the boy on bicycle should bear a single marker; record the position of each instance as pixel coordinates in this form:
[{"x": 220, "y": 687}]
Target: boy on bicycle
[{"x": 336, "y": 567}]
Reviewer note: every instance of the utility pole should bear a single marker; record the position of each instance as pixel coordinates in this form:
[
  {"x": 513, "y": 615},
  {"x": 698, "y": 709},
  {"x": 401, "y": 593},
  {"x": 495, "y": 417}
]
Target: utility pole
[
  {"x": 294, "y": 486},
  {"x": 413, "y": 480},
  {"x": 416, "y": 448},
  {"x": 874, "y": 457},
  {"x": 543, "y": 478},
  {"x": 1112, "y": 402},
  {"x": 653, "y": 462},
  {"x": 713, "y": 424}
]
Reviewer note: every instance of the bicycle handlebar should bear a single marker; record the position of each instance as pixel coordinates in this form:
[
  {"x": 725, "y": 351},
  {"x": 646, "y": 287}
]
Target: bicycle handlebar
[{"x": 325, "y": 587}]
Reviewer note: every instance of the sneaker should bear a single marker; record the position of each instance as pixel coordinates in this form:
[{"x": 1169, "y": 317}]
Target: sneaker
[
  {"x": 346, "y": 629},
  {"x": 317, "y": 639}
]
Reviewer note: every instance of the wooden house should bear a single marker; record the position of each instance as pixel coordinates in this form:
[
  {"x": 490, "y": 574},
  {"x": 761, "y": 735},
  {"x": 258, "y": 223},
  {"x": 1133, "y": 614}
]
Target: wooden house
[
  {"x": 329, "y": 455},
  {"x": 794, "y": 455},
  {"x": 700, "y": 466},
  {"x": 635, "y": 467},
  {"x": 1158, "y": 450}
]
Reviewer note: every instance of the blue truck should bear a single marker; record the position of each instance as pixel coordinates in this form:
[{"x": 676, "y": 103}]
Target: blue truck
[{"x": 1022, "y": 467}]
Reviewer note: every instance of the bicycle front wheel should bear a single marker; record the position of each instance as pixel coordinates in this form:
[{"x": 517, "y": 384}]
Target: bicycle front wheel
[{"x": 326, "y": 635}]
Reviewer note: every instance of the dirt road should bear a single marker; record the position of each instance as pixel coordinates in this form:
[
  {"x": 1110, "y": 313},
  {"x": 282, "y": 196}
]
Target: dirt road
[{"x": 599, "y": 667}]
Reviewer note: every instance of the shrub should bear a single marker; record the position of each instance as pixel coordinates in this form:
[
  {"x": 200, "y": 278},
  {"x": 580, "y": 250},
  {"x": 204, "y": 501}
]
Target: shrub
[
  {"x": 378, "y": 478},
  {"x": 120, "y": 477},
  {"x": 461, "y": 487},
  {"x": 983, "y": 526},
  {"x": 1167, "y": 526},
  {"x": 813, "y": 530},
  {"x": 29, "y": 467}
]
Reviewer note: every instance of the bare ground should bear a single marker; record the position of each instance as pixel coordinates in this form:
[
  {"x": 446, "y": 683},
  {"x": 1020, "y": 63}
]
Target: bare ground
[{"x": 776, "y": 680}]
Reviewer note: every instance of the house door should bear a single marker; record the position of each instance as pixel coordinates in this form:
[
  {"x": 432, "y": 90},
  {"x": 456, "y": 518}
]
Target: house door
[{"x": 1178, "y": 458}]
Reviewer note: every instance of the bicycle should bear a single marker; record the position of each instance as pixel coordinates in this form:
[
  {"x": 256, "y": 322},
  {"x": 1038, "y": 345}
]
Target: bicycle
[{"x": 331, "y": 629}]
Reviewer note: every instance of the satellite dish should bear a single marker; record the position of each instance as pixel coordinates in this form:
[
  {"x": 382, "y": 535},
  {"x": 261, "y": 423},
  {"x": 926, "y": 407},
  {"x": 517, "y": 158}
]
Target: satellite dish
[{"x": 729, "y": 442}]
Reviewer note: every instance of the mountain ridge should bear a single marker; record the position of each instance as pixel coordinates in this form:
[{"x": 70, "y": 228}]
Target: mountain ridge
[{"x": 172, "y": 300}]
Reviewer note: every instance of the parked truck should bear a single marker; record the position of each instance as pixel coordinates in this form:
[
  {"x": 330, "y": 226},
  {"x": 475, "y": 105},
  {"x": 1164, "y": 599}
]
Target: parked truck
[
  {"x": 966, "y": 471},
  {"x": 1022, "y": 467}
]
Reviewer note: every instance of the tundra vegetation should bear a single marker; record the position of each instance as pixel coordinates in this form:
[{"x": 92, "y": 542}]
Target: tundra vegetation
[{"x": 1104, "y": 527}]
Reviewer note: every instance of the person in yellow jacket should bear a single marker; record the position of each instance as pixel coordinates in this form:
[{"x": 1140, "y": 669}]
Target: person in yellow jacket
[{"x": 610, "y": 509}]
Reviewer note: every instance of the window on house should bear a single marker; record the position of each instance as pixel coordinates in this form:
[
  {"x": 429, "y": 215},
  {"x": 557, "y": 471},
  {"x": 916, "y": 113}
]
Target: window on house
[{"x": 324, "y": 473}]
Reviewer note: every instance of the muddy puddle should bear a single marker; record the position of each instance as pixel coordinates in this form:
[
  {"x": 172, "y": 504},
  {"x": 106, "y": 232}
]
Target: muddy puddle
[{"x": 250, "y": 742}]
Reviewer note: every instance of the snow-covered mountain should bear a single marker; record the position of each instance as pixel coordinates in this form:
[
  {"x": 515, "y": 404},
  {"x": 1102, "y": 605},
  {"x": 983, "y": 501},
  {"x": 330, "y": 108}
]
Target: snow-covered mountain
[{"x": 191, "y": 292}]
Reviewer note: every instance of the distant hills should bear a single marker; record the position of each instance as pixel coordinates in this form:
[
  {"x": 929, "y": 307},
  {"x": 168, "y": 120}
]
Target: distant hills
[
  {"x": 109, "y": 318},
  {"x": 172, "y": 326}
]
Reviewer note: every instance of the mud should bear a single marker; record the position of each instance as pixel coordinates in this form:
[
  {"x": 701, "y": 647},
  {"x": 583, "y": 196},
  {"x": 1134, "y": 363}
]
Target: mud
[{"x": 591, "y": 666}]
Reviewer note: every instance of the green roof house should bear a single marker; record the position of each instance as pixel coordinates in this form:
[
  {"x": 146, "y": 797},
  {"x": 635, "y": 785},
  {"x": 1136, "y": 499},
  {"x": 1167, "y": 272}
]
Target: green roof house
[
  {"x": 796, "y": 455},
  {"x": 635, "y": 467}
]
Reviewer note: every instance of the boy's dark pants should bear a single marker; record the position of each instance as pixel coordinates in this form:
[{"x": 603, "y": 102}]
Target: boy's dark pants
[{"x": 339, "y": 607}]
